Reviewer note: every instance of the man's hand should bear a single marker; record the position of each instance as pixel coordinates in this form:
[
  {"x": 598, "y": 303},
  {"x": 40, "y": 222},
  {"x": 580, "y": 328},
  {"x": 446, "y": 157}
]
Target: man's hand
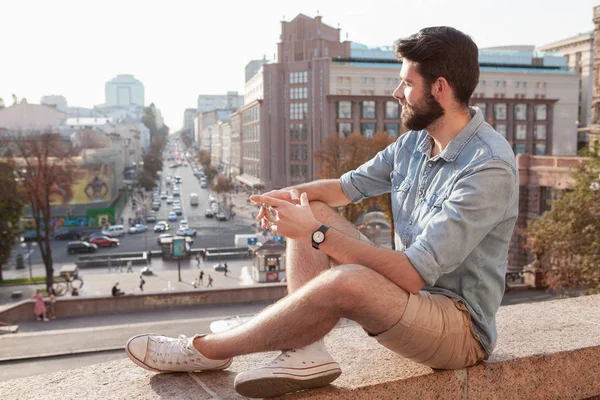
[
  {"x": 294, "y": 221},
  {"x": 289, "y": 195}
]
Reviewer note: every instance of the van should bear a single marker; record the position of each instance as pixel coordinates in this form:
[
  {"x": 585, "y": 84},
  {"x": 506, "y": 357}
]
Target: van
[
  {"x": 194, "y": 199},
  {"x": 114, "y": 231}
]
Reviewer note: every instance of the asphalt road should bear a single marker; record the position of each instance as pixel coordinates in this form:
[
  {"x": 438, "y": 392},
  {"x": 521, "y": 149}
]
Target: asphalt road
[{"x": 210, "y": 232}]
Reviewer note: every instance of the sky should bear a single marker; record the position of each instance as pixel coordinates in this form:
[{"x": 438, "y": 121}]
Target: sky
[{"x": 180, "y": 49}]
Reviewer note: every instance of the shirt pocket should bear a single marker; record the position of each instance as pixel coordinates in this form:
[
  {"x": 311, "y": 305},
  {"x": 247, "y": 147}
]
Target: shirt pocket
[{"x": 434, "y": 203}]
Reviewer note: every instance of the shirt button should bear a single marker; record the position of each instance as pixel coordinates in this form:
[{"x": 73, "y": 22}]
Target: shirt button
[
  {"x": 420, "y": 193},
  {"x": 429, "y": 165},
  {"x": 410, "y": 222}
]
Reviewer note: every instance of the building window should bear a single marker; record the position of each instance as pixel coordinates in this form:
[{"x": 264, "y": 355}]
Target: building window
[
  {"x": 540, "y": 149},
  {"x": 540, "y": 112},
  {"x": 539, "y": 132},
  {"x": 344, "y": 109},
  {"x": 482, "y": 107},
  {"x": 520, "y": 132},
  {"x": 298, "y": 132},
  {"x": 500, "y": 111},
  {"x": 546, "y": 197},
  {"x": 391, "y": 110},
  {"x": 367, "y": 129},
  {"x": 501, "y": 129},
  {"x": 392, "y": 129},
  {"x": 298, "y": 77},
  {"x": 367, "y": 80},
  {"x": 520, "y": 148},
  {"x": 344, "y": 129},
  {"x": 368, "y": 109},
  {"x": 520, "y": 112}
]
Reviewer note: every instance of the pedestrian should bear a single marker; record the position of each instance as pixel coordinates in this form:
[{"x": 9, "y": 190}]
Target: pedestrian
[
  {"x": 142, "y": 283},
  {"x": 201, "y": 277},
  {"x": 75, "y": 292},
  {"x": 210, "y": 281},
  {"x": 52, "y": 308},
  {"x": 129, "y": 268},
  {"x": 39, "y": 309},
  {"x": 198, "y": 260},
  {"x": 225, "y": 269}
]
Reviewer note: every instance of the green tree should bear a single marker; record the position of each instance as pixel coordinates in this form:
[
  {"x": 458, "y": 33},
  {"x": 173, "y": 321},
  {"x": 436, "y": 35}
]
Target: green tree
[
  {"x": 11, "y": 210},
  {"x": 146, "y": 181},
  {"x": 566, "y": 239}
]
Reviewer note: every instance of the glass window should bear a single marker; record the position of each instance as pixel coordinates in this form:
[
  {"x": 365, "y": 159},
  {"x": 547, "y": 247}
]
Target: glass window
[
  {"x": 540, "y": 149},
  {"x": 520, "y": 112},
  {"x": 520, "y": 148},
  {"x": 482, "y": 107},
  {"x": 344, "y": 109},
  {"x": 546, "y": 197},
  {"x": 500, "y": 111},
  {"x": 367, "y": 129},
  {"x": 501, "y": 129},
  {"x": 392, "y": 129},
  {"x": 391, "y": 110},
  {"x": 345, "y": 129},
  {"x": 540, "y": 112},
  {"x": 368, "y": 109},
  {"x": 539, "y": 132},
  {"x": 520, "y": 132},
  {"x": 292, "y": 77},
  {"x": 304, "y": 76}
]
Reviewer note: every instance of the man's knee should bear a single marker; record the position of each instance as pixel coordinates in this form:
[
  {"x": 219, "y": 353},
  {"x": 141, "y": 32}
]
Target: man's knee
[{"x": 344, "y": 283}]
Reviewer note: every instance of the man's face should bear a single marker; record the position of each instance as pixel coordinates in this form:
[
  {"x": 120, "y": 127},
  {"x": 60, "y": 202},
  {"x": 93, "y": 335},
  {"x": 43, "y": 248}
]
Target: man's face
[{"x": 419, "y": 108}]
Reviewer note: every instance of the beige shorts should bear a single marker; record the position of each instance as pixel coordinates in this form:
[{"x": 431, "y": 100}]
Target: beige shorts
[{"x": 436, "y": 331}]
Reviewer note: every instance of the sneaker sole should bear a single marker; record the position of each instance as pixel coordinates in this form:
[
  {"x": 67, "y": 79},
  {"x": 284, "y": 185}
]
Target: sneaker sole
[
  {"x": 140, "y": 363},
  {"x": 286, "y": 383}
]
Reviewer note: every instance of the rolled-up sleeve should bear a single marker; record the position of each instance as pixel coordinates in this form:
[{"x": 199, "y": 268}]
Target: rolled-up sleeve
[
  {"x": 372, "y": 178},
  {"x": 477, "y": 203}
]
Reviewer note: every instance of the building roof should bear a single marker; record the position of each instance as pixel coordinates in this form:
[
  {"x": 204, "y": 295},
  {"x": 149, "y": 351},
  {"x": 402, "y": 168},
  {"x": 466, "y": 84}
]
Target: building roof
[
  {"x": 31, "y": 117},
  {"x": 88, "y": 121},
  {"x": 585, "y": 36}
]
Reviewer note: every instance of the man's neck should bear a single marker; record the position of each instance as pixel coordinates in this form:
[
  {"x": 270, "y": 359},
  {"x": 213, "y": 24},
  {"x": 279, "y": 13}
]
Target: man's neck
[{"x": 447, "y": 128}]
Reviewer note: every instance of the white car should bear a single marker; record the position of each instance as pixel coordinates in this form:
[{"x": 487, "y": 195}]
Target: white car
[
  {"x": 183, "y": 224},
  {"x": 176, "y": 203},
  {"x": 170, "y": 200},
  {"x": 186, "y": 232},
  {"x": 163, "y": 195},
  {"x": 177, "y": 210},
  {"x": 138, "y": 228}
]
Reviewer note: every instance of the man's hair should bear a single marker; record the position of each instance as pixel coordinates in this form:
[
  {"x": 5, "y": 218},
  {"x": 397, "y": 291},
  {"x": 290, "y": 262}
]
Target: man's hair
[{"x": 442, "y": 51}]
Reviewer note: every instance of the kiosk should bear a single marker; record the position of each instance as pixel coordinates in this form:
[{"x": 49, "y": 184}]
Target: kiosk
[{"x": 268, "y": 264}]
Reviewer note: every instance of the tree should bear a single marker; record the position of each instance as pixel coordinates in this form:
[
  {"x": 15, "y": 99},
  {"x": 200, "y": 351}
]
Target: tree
[
  {"x": 203, "y": 157},
  {"x": 43, "y": 166},
  {"x": 11, "y": 210},
  {"x": 146, "y": 181},
  {"x": 566, "y": 239},
  {"x": 337, "y": 155}
]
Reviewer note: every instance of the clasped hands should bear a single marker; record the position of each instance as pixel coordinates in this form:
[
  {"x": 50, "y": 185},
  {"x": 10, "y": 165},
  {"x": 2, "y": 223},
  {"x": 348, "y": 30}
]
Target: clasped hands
[{"x": 286, "y": 213}]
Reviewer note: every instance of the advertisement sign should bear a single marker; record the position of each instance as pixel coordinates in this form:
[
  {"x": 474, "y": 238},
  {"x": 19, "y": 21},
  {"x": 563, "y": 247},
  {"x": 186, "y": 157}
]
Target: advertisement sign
[
  {"x": 91, "y": 184},
  {"x": 272, "y": 276},
  {"x": 179, "y": 247}
]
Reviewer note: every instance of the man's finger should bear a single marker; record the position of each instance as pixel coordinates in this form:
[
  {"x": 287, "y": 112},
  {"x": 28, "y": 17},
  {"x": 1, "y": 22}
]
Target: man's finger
[
  {"x": 294, "y": 194},
  {"x": 270, "y": 201},
  {"x": 304, "y": 199}
]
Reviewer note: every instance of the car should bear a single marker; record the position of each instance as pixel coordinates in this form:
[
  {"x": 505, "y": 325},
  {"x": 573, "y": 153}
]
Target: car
[
  {"x": 163, "y": 195},
  {"x": 209, "y": 213},
  {"x": 211, "y": 198},
  {"x": 173, "y": 165},
  {"x": 177, "y": 210},
  {"x": 151, "y": 218},
  {"x": 161, "y": 226},
  {"x": 138, "y": 228},
  {"x": 92, "y": 235},
  {"x": 204, "y": 185},
  {"x": 155, "y": 206},
  {"x": 104, "y": 241},
  {"x": 172, "y": 216},
  {"x": 221, "y": 216},
  {"x": 146, "y": 271},
  {"x": 176, "y": 203},
  {"x": 186, "y": 232},
  {"x": 170, "y": 200},
  {"x": 163, "y": 236},
  {"x": 176, "y": 193},
  {"x": 31, "y": 237},
  {"x": 69, "y": 234},
  {"x": 183, "y": 224},
  {"x": 81, "y": 247}
]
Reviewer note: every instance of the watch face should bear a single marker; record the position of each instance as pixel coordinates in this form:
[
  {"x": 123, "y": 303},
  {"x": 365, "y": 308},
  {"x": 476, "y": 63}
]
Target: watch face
[{"x": 318, "y": 236}]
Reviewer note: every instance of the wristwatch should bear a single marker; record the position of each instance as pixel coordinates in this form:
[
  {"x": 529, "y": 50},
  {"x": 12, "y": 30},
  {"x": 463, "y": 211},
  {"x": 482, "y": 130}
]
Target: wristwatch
[{"x": 318, "y": 236}]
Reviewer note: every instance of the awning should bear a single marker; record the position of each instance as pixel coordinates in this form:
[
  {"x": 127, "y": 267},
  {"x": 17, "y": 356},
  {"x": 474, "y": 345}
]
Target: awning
[{"x": 250, "y": 180}]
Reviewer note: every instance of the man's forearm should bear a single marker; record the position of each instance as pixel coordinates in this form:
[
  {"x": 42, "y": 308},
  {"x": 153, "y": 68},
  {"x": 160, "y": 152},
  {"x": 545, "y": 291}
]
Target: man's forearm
[{"x": 329, "y": 191}]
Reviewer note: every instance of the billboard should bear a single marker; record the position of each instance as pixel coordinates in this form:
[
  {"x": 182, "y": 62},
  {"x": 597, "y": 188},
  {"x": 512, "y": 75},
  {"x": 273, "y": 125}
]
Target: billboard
[{"x": 91, "y": 184}]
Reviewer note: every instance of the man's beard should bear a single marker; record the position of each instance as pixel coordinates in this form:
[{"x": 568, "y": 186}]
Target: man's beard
[{"x": 419, "y": 117}]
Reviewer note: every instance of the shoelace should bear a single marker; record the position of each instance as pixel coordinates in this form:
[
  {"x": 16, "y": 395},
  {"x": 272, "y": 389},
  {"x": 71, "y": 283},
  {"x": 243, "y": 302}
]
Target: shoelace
[
  {"x": 281, "y": 357},
  {"x": 176, "y": 351}
]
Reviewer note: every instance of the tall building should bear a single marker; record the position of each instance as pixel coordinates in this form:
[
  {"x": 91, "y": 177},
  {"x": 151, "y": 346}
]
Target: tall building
[
  {"x": 322, "y": 86},
  {"x": 229, "y": 101},
  {"x": 188, "y": 121},
  {"x": 57, "y": 101},
  {"x": 253, "y": 67},
  {"x": 124, "y": 90}
]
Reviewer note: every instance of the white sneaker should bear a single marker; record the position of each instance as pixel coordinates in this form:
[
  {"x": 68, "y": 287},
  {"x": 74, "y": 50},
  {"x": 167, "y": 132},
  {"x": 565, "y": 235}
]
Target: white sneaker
[
  {"x": 164, "y": 354},
  {"x": 293, "y": 370}
]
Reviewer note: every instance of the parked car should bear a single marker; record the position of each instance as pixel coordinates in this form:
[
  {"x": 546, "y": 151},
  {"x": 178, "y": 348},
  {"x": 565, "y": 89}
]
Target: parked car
[
  {"x": 151, "y": 218},
  {"x": 186, "y": 232},
  {"x": 81, "y": 247},
  {"x": 114, "y": 231},
  {"x": 138, "y": 228},
  {"x": 170, "y": 200},
  {"x": 92, "y": 235},
  {"x": 221, "y": 217},
  {"x": 177, "y": 210},
  {"x": 163, "y": 236},
  {"x": 70, "y": 234},
  {"x": 104, "y": 241},
  {"x": 203, "y": 184},
  {"x": 161, "y": 226},
  {"x": 163, "y": 195},
  {"x": 31, "y": 237},
  {"x": 172, "y": 216},
  {"x": 209, "y": 213}
]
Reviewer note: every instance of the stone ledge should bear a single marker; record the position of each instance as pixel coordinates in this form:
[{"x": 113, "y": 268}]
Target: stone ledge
[{"x": 546, "y": 351}]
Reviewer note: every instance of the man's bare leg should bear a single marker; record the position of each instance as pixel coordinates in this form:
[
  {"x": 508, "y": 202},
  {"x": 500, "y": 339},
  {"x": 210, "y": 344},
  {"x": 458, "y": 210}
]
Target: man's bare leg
[{"x": 316, "y": 302}]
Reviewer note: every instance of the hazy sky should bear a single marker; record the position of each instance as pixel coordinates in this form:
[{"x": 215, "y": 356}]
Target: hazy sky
[{"x": 180, "y": 49}]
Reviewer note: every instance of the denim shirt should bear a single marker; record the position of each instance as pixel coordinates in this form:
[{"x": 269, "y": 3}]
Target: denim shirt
[{"x": 454, "y": 214}]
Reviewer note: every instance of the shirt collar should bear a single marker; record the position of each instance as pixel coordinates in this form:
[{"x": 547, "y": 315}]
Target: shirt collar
[{"x": 459, "y": 142}]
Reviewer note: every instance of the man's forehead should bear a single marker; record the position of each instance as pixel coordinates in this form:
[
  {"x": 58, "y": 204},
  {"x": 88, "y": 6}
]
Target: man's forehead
[{"x": 408, "y": 71}]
